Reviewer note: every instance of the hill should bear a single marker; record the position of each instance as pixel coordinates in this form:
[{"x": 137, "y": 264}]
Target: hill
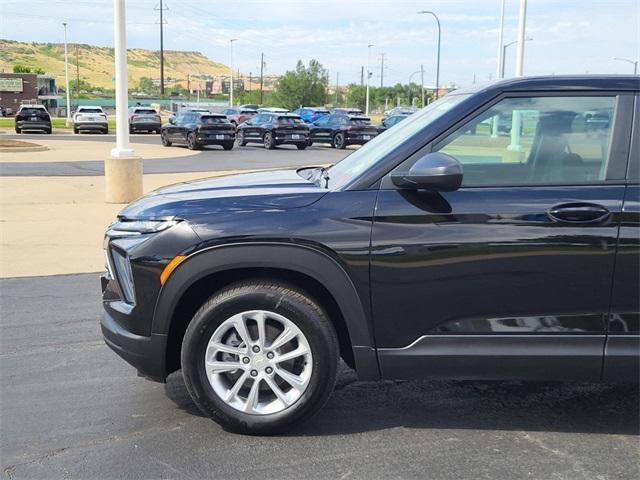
[{"x": 97, "y": 63}]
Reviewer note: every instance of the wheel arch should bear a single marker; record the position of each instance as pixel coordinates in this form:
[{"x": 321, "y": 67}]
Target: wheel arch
[{"x": 314, "y": 271}]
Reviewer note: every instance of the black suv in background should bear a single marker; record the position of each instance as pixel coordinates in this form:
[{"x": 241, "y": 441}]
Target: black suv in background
[
  {"x": 273, "y": 129},
  {"x": 197, "y": 129},
  {"x": 340, "y": 130},
  {"x": 437, "y": 250},
  {"x": 33, "y": 117}
]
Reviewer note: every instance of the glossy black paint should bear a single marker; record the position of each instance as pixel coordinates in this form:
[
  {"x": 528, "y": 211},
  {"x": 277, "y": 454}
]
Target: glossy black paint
[
  {"x": 480, "y": 282},
  {"x": 341, "y": 130},
  {"x": 218, "y": 130},
  {"x": 273, "y": 129}
]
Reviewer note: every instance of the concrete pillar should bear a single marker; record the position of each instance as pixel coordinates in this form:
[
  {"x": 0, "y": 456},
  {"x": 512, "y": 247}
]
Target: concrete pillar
[{"x": 123, "y": 170}]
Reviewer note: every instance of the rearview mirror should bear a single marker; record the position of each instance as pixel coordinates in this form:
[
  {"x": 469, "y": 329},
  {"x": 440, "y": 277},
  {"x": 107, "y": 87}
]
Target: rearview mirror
[{"x": 435, "y": 171}]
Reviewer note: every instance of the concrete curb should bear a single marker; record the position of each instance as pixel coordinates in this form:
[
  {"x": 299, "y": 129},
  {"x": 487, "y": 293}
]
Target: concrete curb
[{"x": 39, "y": 148}]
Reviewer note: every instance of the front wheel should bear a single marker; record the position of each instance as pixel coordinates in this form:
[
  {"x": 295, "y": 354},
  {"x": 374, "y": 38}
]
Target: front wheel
[
  {"x": 240, "y": 139},
  {"x": 269, "y": 143},
  {"x": 260, "y": 356},
  {"x": 338, "y": 141}
]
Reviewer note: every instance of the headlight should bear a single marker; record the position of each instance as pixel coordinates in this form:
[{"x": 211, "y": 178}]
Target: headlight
[
  {"x": 126, "y": 228},
  {"x": 124, "y": 276}
]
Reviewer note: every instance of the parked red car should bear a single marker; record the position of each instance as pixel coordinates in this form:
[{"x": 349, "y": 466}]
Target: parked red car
[{"x": 239, "y": 115}]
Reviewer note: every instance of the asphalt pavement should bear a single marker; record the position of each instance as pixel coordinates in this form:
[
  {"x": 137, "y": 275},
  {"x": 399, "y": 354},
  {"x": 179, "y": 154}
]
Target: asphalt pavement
[
  {"x": 71, "y": 409},
  {"x": 212, "y": 158}
]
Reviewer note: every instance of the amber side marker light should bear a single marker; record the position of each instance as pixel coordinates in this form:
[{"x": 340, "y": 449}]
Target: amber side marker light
[{"x": 171, "y": 266}]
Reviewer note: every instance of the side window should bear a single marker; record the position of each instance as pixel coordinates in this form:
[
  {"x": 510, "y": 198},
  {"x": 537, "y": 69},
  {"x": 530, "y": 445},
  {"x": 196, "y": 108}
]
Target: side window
[
  {"x": 535, "y": 140},
  {"x": 258, "y": 119},
  {"x": 179, "y": 119},
  {"x": 322, "y": 121}
]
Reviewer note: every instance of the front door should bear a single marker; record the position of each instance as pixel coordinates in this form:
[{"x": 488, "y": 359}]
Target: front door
[{"x": 510, "y": 276}]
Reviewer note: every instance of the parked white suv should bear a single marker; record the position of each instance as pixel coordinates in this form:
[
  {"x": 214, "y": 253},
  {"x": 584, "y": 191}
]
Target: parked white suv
[{"x": 90, "y": 118}]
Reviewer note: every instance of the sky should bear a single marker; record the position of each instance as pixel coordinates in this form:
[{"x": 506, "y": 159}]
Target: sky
[{"x": 567, "y": 36}]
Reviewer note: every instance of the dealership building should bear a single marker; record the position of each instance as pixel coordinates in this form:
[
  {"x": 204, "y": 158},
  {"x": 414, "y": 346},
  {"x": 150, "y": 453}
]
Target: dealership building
[{"x": 19, "y": 88}]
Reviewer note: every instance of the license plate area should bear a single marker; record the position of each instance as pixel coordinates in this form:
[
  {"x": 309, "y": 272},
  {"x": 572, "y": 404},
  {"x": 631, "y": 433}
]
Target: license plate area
[{"x": 219, "y": 137}]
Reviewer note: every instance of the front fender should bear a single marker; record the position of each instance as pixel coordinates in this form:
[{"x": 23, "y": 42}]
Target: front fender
[{"x": 301, "y": 259}]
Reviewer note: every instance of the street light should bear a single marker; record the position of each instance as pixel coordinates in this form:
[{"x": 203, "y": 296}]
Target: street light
[
  {"x": 438, "y": 58},
  {"x": 231, "y": 71},
  {"x": 66, "y": 74},
  {"x": 632, "y": 62},
  {"x": 368, "y": 75},
  {"x": 411, "y": 80},
  {"x": 504, "y": 54},
  {"x": 499, "y": 73}
]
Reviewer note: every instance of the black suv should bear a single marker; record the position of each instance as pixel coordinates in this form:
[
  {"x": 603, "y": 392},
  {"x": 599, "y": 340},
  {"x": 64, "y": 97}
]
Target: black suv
[
  {"x": 33, "y": 117},
  {"x": 273, "y": 129},
  {"x": 438, "y": 250},
  {"x": 340, "y": 130},
  {"x": 197, "y": 129}
]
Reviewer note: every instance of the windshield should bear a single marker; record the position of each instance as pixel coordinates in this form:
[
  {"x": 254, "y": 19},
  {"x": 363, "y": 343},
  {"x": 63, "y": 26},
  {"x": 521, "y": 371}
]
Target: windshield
[{"x": 372, "y": 152}]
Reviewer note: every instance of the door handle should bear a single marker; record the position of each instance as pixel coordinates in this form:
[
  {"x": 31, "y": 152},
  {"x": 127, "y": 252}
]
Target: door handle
[{"x": 579, "y": 213}]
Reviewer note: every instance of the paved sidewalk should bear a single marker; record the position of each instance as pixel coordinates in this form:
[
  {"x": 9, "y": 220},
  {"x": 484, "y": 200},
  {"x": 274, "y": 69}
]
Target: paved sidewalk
[{"x": 55, "y": 225}]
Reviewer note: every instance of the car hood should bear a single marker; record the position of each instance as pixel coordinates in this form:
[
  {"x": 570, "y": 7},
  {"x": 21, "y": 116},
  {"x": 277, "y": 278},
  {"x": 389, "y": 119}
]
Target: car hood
[{"x": 280, "y": 189}]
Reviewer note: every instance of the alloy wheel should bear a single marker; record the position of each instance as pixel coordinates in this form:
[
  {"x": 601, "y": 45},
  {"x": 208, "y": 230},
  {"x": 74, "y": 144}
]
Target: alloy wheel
[{"x": 258, "y": 362}]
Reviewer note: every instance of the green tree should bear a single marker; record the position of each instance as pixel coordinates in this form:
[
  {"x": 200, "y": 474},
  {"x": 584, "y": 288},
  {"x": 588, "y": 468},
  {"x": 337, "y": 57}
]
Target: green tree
[
  {"x": 145, "y": 84},
  {"x": 18, "y": 68},
  {"x": 302, "y": 86}
]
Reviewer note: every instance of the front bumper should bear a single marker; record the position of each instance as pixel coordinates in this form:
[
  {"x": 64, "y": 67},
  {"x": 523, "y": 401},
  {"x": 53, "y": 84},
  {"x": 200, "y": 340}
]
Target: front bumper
[{"x": 146, "y": 354}]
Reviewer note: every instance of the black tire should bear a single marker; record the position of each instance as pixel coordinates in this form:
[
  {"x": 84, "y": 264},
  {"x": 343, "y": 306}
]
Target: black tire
[
  {"x": 106, "y": 131},
  {"x": 282, "y": 299},
  {"x": 269, "y": 142},
  {"x": 240, "y": 140},
  {"x": 165, "y": 141},
  {"x": 301, "y": 146},
  {"x": 338, "y": 141},
  {"x": 309, "y": 142},
  {"x": 76, "y": 131},
  {"x": 48, "y": 131},
  {"x": 192, "y": 143},
  {"x": 158, "y": 132},
  {"x": 228, "y": 145},
  {"x": 18, "y": 131},
  {"x": 130, "y": 129}
]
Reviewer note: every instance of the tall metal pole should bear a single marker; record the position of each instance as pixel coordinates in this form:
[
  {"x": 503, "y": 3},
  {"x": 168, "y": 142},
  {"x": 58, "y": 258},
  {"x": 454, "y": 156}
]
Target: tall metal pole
[
  {"x": 161, "y": 51},
  {"x": 77, "y": 75},
  {"x": 632, "y": 62},
  {"x": 337, "y": 85},
  {"x": 231, "y": 71},
  {"x": 366, "y": 110},
  {"x": 500, "y": 67},
  {"x": 521, "y": 38},
  {"x": 438, "y": 58},
  {"x": 123, "y": 170},
  {"x": 422, "y": 83},
  {"x": 261, "y": 76},
  {"x": 66, "y": 75},
  {"x": 381, "y": 70}
]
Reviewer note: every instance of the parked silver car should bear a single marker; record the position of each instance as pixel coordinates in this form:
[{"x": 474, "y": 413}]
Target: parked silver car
[{"x": 144, "y": 119}]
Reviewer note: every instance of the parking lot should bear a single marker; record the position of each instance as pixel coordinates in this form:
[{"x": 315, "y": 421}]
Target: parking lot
[{"x": 72, "y": 409}]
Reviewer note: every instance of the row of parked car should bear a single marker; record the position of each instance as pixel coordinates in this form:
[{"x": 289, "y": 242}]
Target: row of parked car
[{"x": 271, "y": 127}]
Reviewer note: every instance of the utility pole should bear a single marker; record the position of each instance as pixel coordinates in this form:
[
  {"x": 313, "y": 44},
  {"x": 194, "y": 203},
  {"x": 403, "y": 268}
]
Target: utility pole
[
  {"x": 66, "y": 75},
  {"x": 161, "y": 9},
  {"x": 250, "y": 81},
  {"x": 500, "y": 69},
  {"x": 381, "y": 70},
  {"x": 362, "y": 76},
  {"x": 261, "y": 75},
  {"x": 422, "y": 82},
  {"x": 77, "y": 75},
  {"x": 366, "y": 110},
  {"x": 188, "y": 87},
  {"x": 337, "y": 86},
  {"x": 521, "y": 38},
  {"x": 231, "y": 71}
]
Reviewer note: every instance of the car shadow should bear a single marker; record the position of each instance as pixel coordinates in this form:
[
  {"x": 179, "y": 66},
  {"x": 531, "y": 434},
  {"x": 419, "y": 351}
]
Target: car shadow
[{"x": 358, "y": 407}]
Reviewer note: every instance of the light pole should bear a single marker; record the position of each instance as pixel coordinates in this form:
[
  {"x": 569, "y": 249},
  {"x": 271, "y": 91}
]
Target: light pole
[
  {"x": 231, "y": 71},
  {"x": 66, "y": 74},
  {"x": 123, "y": 170},
  {"x": 438, "y": 58},
  {"x": 504, "y": 54},
  {"x": 409, "y": 97},
  {"x": 368, "y": 75},
  {"x": 500, "y": 69},
  {"x": 632, "y": 62},
  {"x": 521, "y": 37}
]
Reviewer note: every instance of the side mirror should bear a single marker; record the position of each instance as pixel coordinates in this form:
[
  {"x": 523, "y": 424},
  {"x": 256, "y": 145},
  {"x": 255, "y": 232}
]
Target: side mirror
[
  {"x": 435, "y": 171},
  {"x": 172, "y": 120}
]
